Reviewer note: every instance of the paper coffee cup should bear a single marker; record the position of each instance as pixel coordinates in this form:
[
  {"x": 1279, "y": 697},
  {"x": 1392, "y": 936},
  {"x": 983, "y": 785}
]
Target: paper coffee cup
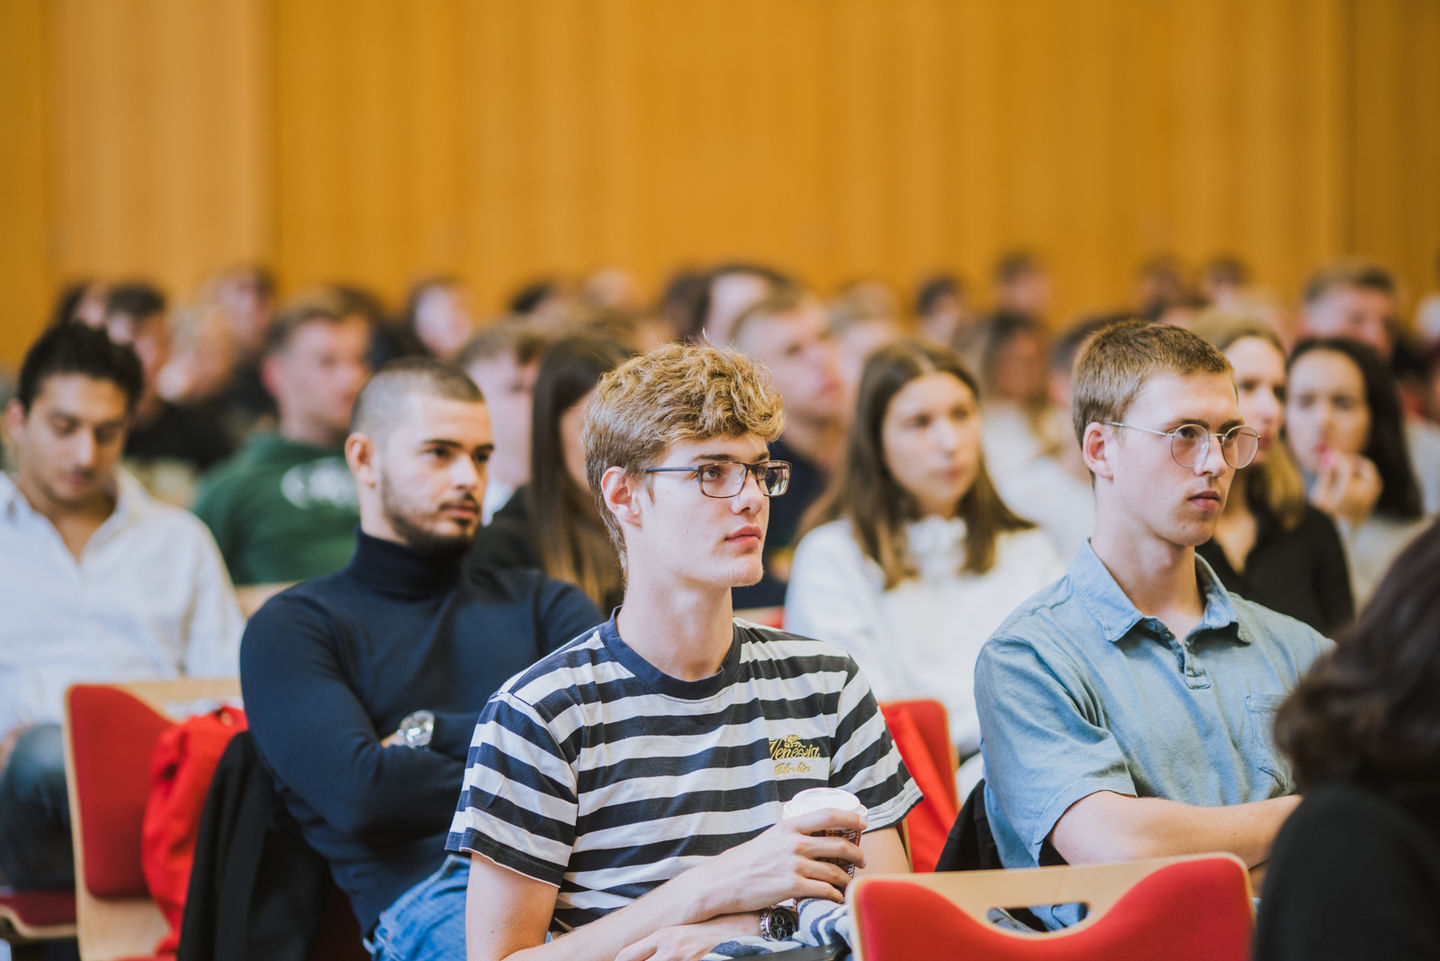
[{"x": 823, "y": 798}]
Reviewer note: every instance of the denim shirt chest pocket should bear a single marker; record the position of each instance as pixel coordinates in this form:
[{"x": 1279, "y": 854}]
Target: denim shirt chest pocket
[{"x": 1260, "y": 716}]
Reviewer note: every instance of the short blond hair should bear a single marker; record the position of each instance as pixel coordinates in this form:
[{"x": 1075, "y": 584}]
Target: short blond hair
[
  {"x": 674, "y": 393},
  {"x": 1116, "y": 362}
]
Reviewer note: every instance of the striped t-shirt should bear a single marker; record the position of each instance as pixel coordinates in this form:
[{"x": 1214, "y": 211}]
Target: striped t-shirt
[{"x": 597, "y": 773}]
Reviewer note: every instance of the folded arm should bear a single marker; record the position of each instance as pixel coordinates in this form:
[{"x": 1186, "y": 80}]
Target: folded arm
[
  {"x": 1106, "y": 826},
  {"x": 507, "y": 913},
  {"x": 317, "y": 737}
]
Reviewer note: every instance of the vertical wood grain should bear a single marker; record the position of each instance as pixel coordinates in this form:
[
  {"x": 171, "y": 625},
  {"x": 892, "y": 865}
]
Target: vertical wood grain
[
  {"x": 25, "y": 273},
  {"x": 380, "y": 141}
]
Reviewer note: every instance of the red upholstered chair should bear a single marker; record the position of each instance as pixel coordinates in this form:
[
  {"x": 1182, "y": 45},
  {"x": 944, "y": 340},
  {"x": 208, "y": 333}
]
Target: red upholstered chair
[
  {"x": 30, "y": 918},
  {"x": 922, "y": 733},
  {"x": 1195, "y": 908},
  {"x": 110, "y": 733}
]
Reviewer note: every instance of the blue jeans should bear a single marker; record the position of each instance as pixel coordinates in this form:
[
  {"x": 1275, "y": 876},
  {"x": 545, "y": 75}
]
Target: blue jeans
[
  {"x": 35, "y": 847},
  {"x": 426, "y": 923}
]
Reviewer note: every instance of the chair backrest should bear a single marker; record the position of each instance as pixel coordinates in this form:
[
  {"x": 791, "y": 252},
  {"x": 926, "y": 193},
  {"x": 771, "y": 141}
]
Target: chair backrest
[
  {"x": 110, "y": 734},
  {"x": 1193, "y": 908},
  {"x": 922, "y": 734},
  {"x": 31, "y": 916}
]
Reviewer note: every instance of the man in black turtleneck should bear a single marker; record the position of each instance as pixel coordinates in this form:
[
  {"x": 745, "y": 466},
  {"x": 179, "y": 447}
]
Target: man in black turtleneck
[{"x": 362, "y": 687}]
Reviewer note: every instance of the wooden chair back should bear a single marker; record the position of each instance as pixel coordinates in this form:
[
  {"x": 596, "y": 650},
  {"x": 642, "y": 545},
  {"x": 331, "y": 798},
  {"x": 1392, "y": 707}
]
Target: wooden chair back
[{"x": 110, "y": 734}]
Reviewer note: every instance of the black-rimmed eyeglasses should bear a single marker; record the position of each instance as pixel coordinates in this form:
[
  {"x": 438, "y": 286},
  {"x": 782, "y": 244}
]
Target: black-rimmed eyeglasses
[
  {"x": 1190, "y": 443},
  {"x": 727, "y": 478}
]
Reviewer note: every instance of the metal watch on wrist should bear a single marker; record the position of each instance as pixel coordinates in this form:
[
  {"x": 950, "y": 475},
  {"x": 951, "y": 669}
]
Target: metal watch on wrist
[
  {"x": 417, "y": 728},
  {"x": 778, "y": 923}
]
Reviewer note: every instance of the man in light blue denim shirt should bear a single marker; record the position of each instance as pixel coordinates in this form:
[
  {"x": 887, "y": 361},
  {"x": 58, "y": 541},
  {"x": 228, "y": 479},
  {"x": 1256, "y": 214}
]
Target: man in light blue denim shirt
[{"x": 1125, "y": 709}]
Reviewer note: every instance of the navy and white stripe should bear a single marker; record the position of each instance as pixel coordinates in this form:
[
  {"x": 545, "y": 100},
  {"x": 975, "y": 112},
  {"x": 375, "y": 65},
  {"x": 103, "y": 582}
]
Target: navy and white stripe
[{"x": 596, "y": 773}]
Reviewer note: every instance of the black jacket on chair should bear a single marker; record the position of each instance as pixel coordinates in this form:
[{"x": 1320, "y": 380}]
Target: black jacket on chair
[{"x": 256, "y": 889}]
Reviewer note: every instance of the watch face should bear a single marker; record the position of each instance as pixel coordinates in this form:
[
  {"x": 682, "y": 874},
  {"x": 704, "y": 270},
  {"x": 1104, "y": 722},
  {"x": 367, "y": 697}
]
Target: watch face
[
  {"x": 417, "y": 728},
  {"x": 777, "y": 924}
]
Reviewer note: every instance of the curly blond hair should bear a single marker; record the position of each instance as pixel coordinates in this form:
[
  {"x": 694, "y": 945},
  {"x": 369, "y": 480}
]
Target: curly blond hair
[{"x": 674, "y": 393}]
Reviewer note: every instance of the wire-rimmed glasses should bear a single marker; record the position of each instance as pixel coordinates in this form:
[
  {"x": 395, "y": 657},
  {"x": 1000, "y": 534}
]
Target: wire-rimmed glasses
[
  {"x": 1190, "y": 443},
  {"x": 727, "y": 478}
]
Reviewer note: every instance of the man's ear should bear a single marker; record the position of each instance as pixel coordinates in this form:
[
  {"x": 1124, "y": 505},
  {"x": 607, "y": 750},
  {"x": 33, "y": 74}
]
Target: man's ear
[
  {"x": 14, "y": 420},
  {"x": 622, "y": 496},
  {"x": 1096, "y": 447},
  {"x": 270, "y": 375},
  {"x": 360, "y": 458}
]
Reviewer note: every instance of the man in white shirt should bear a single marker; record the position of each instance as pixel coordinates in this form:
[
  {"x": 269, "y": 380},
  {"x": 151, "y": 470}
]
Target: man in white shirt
[{"x": 97, "y": 582}]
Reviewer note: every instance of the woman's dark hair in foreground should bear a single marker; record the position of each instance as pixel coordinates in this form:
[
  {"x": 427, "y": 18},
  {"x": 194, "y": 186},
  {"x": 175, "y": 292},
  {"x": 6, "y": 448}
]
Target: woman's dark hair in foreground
[{"x": 1369, "y": 711}]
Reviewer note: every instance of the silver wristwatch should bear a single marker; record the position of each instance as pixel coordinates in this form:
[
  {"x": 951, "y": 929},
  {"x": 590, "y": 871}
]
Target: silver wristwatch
[
  {"x": 417, "y": 728},
  {"x": 778, "y": 923}
]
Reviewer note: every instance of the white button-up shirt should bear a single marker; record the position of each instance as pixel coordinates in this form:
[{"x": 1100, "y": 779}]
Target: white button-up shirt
[{"x": 149, "y": 597}]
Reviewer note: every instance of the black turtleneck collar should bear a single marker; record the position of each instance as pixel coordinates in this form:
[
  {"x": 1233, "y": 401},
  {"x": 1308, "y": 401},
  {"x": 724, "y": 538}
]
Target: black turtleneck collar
[{"x": 396, "y": 569}]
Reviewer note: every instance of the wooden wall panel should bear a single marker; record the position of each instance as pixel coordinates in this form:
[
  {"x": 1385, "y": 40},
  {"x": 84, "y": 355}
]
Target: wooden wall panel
[
  {"x": 24, "y": 211},
  {"x": 382, "y": 141},
  {"x": 1394, "y": 190},
  {"x": 158, "y": 144}
]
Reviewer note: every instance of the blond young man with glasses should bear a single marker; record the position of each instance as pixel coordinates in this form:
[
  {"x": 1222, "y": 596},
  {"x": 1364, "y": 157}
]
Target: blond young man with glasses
[
  {"x": 1125, "y": 710},
  {"x": 624, "y": 795}
]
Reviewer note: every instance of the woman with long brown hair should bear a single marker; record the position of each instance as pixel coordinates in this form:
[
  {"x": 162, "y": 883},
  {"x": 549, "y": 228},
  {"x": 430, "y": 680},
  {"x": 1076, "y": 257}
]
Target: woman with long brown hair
[
  {"x": 552, "y": 523},
  {"x": 912, "y": 559},
  {"x": 1346, "y": 426}
]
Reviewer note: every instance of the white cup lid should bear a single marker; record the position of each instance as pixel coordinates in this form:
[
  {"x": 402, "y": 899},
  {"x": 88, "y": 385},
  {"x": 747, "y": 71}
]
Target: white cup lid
[{"x": 821, "y": 798}]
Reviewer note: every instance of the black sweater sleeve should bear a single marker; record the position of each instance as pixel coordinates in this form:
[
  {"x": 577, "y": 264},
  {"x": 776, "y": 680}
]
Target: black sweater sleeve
[
  {"x": 315, "y": 736},
  {"x": 1351, "y": 876}
]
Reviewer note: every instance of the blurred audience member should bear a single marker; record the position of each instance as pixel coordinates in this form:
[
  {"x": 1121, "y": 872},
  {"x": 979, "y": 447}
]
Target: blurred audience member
[
  {"x": 1224, "y": 280},
  {"x": 553, "y": 523},
  {"x": 168, "y": 444},
  {"x": 787, "y": 333},
  {"x": 283, "y": 508},
  {"x": 1012, "y": 372},
  {"x": 1360, "y": 300},
  {"x": 862, "y": 319},
  {"x": 678, "y": 300},
  {"x": 1432, "y": 383},
  {"x": 638, "y": 330},
  {"x": 1271, "y": 545},
  {"x": 1053, "y": 489},
  {"x": 729, "y": 290},
  {"x": 202, "y": 359},
  {"x": 438, "y": 316},
  {"x": 1159, "y": 281},
  {"x": 1427, "y": 315},
  {"x": 1023, "y": 285},
  {"x": 913, "y": 559},
  {"x": 941, "y": 312},
  {"x": 97, "y": 582},
  {"x": 610, "y": 288},
  {"x": 503, "y": 360},
  {"x": 1344, "y": 425},
  {"x": 245, "y": 297},
  {"x": 1184, "y": 310},
  {"x": 545, "y": 301},
  {"x": 1355, "y": 872},
  {"x": 81, "y": 301}
]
